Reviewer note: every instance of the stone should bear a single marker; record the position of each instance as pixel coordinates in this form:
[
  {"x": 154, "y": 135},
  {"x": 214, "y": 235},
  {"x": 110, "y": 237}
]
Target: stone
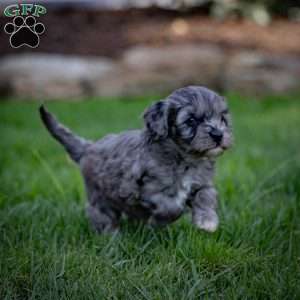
[
  {"x": 43, "y": 76},
  {"x": 177, "y": 65},
  {"x": 160, "y": 70},
  {"x": 256, "y": 74},
  {"x": 147, "y": 70}
]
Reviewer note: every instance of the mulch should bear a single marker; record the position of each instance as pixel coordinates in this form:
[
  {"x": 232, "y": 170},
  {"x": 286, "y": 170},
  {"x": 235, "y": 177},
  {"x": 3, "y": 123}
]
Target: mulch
[{"x": 109, "y": 33}]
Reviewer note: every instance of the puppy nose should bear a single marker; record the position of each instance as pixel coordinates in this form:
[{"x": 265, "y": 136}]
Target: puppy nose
[{"x": 216, "y": 135}]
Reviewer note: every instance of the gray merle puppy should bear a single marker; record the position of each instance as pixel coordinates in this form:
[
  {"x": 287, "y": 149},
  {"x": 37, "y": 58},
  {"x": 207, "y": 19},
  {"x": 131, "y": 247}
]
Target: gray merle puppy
[{"x": 154, "y": 173}]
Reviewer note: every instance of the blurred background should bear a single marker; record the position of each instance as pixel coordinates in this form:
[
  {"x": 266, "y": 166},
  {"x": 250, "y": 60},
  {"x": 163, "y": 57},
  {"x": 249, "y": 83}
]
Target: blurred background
[{"x": 115, "y": 48}]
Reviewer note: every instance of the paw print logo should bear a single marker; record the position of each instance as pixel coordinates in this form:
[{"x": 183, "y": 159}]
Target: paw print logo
[{"x": 24, "y": 32}]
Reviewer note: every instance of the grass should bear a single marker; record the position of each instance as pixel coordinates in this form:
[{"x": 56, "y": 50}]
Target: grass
[{"x": 47, "y": 250}]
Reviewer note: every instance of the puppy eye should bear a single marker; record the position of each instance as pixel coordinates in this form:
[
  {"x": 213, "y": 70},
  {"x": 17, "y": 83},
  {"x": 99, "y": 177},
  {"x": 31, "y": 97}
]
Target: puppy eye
[{"x": 191, "y": 122}]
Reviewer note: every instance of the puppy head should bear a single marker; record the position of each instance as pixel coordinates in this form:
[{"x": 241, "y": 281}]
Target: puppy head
[{"x": 195, "y": 118}]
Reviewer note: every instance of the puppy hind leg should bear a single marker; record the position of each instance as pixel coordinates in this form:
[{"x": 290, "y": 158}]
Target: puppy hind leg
[{"x": 103, "y": 220}]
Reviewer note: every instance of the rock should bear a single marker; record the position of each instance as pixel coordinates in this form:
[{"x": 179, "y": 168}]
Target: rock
[
  {"x": 129, "y": 82},
  {"x": 50, "y": 76},
  {"x": 175, "y": 66},
  {"x": 255, "y": 73},
  {"x": 147, "y": 70}
]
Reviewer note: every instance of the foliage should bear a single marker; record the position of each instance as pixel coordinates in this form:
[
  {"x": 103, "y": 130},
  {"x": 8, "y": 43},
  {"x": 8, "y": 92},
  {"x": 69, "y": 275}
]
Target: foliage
[
  {"x": 49, "y": 252},
  {"x": 259, "y": 10}
]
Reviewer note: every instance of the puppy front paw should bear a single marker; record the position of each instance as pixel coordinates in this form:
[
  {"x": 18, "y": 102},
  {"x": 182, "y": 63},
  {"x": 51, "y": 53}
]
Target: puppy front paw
[{"x": 208, "y": 223}]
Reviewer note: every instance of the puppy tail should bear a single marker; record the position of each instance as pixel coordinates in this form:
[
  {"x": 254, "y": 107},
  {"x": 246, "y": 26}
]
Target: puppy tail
[{"x": 73, "y": 144}]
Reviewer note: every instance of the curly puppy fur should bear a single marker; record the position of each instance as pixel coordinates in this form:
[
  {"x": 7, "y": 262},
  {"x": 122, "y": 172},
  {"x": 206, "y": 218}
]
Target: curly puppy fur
[{"x": 154, "y": 173}]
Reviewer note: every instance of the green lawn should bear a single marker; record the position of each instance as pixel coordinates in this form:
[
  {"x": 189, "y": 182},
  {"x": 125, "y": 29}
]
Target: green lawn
[{"x": 48, "y": 251}]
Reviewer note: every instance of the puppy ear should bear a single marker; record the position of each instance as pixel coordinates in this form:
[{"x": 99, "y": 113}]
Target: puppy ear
[{"x": 156, "y": 119}]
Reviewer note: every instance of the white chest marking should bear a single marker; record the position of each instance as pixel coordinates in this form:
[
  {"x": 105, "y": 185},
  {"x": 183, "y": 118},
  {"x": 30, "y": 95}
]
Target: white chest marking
[{"x": 184, "y": 190}]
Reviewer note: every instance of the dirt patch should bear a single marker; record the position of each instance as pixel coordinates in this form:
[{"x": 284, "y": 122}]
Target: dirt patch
[{"x": 109, "y": 33}]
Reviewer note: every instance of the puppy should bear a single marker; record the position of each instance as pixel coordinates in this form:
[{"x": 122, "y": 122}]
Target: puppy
[{"x": 153, "y": 174}]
